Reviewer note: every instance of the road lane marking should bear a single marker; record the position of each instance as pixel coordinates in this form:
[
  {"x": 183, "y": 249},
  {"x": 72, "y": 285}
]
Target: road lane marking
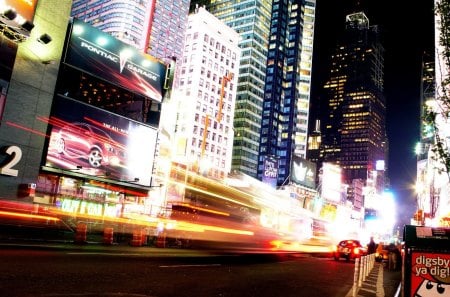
[
  {"x": 188, "y": 265},
  {"x": 105, "y": 254}
]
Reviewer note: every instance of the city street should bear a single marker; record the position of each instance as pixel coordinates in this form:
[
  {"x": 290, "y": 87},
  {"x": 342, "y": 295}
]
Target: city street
[{"x": 123, "y": 271}]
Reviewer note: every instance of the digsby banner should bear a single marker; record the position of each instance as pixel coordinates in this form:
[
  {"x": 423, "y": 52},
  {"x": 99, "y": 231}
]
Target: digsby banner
[{"x": 430, "y": 274}]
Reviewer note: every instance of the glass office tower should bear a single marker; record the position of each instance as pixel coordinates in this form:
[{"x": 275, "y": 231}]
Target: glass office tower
[{"x": 284, "y": 124}]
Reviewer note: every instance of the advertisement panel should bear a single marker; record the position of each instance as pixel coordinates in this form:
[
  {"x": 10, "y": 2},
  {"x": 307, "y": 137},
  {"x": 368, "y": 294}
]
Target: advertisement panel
[
  {"x": 270, "y": 173},
  {"x": 430, "y": 274},
  {"x": 426, "y": 261},
  {"x": 24, "y": 8},
  {"x": 95, "y": 142},
  {"x": 331, "y": 182},
  {"x": 303, "y": 172},
  {"x": 106, "y": 57}
]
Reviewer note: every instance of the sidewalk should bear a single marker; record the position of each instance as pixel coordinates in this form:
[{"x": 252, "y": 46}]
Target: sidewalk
[{"x": 381, "y": 282}]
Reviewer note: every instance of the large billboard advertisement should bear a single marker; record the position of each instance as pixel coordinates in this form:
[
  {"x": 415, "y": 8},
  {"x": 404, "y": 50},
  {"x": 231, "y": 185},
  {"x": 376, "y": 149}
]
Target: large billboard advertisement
[
  {"x": 303, "y": 172},
  {"x": 331, "y": 182},
  {"x": 92, "y": 141},
  {"x": 24, "y": 8},
  {"x": 106, "y": 57}
]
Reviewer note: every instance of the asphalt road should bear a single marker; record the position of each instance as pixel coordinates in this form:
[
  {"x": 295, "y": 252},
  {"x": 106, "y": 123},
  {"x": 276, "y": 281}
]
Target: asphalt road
[{"x": 38, "y": 272}]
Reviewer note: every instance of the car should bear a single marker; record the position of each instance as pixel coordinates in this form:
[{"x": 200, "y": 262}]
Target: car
[
  {"x": 349, "y": 249},
  {"x": 85, "y": 141}
]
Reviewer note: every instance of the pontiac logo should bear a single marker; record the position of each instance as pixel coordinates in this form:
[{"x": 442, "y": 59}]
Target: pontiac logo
[{"x": 122, "y": 59}]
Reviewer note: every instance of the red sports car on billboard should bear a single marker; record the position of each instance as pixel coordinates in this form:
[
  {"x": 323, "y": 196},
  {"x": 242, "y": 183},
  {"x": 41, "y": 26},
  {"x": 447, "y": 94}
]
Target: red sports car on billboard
[{"x": 85, "y": 141}]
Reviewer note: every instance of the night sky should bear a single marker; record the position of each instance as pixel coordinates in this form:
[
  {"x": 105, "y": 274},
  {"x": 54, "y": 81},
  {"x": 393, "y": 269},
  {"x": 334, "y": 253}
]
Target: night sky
[{"x": 407, "y": 31}]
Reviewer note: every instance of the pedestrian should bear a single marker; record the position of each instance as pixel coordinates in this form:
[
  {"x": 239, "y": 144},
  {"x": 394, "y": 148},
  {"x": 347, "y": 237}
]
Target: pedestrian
[
  {"x": 371, "y": 246},
  {"x": 394, "y": 257}
]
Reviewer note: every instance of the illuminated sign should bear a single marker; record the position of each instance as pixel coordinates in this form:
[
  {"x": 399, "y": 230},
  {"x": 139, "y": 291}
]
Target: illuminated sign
[
  {"x": 331, "y": 182},
  {"x": 379, "y": 165},
  {"x": 82, "y": 207},
  {"x": 106, "y": 57},
  {"x": 100, "y": 143},
  {"x": 24, "y": 8},
  {"x": 430, "y": 274},
  {"x": 270, "y": 173},
  {"x": 303, "y": 172}
]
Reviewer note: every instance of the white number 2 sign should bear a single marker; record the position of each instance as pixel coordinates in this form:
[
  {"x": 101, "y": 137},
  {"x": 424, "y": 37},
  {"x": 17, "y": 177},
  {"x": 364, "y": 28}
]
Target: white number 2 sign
[{"x": 15, "y": 155}]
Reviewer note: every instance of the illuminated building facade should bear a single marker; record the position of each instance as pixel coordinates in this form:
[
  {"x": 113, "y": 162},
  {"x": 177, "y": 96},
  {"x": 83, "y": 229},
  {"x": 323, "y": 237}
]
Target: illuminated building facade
[
  {"x": 353, "y": 121},
  {"x": 127, "y": 20},
  {"x": 28, "y": 70},
  {"x": 251, "y": 19},
  {"x": 442, "y": 182},
  {"x": 272, "y": 105},
  {"x": 205, "y": 93},
  {"x": 427, "y": 196},
  {"x": 432, "y": 184},
  {"x": 77, "y": 125},
  {"x": 156, "y": 27},
  {"x": 285, "y": 112}
]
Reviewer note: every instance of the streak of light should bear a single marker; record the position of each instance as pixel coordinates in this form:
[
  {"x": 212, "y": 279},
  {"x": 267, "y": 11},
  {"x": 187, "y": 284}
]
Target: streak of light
[
  {"x": 206, "y": 209},
  {"x": 26, "y": 129},
  {"x": 12, "y": 214}
]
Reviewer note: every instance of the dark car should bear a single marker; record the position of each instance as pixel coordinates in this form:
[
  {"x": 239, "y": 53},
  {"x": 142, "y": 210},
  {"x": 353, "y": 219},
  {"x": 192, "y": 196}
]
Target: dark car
[
  {"x": 81, "y": 140},
  {"x": 349, "y": 249}
]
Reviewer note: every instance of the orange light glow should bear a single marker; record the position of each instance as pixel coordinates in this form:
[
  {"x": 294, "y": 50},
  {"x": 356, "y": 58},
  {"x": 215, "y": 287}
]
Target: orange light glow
[
  {"x": 206, "y": 209},
  {"x": 12, "y": 214}
]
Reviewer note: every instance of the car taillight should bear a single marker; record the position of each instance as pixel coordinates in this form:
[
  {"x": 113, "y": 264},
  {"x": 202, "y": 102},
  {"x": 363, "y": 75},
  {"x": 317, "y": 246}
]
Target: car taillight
[
  {"x": 275, "y": 244},
  {"x": 356, "y": 251}
]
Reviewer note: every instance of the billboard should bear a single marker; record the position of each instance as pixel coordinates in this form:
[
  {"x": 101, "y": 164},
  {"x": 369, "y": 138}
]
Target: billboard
[
  {"x": 303, "y": 172},
  {"x": 24, "y": 8},
  {"x": 331, "y": 182},
  {"x": 100, "y": 54},
  {"x": 426, "y": 263},
  {"x": 92, "y": 141},
  {"x": 430, "y": 273},
  {"x": 270, "y": 171}
]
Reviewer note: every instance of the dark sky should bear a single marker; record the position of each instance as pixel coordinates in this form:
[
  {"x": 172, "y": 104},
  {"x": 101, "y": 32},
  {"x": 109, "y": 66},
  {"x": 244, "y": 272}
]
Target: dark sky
[{"x": 407, "y": 31}]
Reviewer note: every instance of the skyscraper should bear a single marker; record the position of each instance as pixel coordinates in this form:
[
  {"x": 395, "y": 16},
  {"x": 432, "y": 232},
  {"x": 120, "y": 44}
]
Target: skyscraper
[
  {"x": 354, "y": 133},
  {"x": 284, "y": 124},
  {"x": 205, "y": 93},
  {"x": 251, "y": 19},
  {"x": 272, "y": 104}
]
